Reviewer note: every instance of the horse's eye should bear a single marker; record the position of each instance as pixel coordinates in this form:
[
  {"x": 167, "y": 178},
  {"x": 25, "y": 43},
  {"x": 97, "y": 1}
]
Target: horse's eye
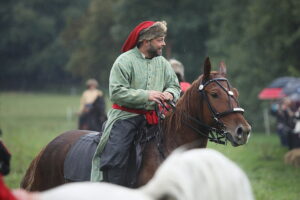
[{"x": 214, "y": 95}]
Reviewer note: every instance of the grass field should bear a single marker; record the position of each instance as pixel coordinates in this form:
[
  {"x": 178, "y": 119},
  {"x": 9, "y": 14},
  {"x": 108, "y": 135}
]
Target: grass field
[{"x": 30, "y": 120}]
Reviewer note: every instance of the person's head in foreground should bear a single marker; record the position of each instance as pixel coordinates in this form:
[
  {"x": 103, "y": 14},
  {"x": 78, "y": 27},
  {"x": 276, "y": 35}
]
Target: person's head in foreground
[
  {"x": 199, "y": 174},
  {"x": 185, "y": 175}
]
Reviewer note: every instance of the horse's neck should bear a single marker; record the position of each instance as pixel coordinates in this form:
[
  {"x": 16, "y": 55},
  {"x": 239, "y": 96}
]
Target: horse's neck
[{"x": 176, "y": 134}]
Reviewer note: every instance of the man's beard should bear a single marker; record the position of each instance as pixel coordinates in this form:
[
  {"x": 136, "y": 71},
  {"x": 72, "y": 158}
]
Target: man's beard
[{"x": 153, "y": 52}]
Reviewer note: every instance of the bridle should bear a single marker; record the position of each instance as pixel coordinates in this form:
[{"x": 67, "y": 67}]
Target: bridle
[
  {"x": 216, "y": 133},
  {"x": 216, "y": 115}
]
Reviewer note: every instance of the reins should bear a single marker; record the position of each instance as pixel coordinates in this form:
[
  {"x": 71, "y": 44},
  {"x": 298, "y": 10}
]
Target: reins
[
  {"x": 213, "y": 134},
  {"x": 159, "y": 135}
]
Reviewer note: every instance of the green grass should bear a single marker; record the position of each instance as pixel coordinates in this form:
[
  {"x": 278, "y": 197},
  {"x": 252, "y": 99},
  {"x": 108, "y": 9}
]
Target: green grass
[
  {"x": 262, "y": 160},
  {"x": 30, "y": 120}
]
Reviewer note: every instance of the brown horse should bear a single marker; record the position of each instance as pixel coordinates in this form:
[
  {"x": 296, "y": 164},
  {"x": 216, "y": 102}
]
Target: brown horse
[{"x": 208, "y": 110}]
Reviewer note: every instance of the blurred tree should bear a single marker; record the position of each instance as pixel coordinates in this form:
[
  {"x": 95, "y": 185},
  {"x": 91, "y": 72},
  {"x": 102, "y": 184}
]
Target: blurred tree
[
  {"x": 91, "y": 43},
  {"x": 32, "y": 54},
  {"x": 259, "y": 40}
]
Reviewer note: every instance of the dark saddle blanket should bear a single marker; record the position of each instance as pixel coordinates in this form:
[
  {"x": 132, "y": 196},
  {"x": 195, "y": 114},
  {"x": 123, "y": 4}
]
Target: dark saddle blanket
[{"x": 78, "y": 163}]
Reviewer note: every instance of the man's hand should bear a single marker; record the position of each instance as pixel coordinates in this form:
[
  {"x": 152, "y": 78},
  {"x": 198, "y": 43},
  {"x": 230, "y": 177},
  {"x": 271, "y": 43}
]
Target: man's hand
[
  {"x": 168, "y": 96},
  {"x": 159, "y": 96},
  {"x": 156, "y": 96}
]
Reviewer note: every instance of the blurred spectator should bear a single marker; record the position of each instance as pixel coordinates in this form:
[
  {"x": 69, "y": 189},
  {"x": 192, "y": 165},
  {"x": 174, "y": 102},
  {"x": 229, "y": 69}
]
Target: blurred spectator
[
  {"x": 294, "y": 137},
  {"x": 87, "y": 99},
  {"x": 285, "y": 123},
  {"x": 179, "y": 71},
  {"x": 89, "y": 95},
  {"x": 297, "y": 121}
]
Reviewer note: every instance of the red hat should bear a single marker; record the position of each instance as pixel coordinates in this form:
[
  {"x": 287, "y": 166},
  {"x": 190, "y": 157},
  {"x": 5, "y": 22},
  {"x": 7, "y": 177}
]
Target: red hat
[{"x": 145, "y": 30}]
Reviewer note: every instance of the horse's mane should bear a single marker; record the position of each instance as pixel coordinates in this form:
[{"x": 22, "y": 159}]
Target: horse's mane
[{"x": 199, "y": 174}]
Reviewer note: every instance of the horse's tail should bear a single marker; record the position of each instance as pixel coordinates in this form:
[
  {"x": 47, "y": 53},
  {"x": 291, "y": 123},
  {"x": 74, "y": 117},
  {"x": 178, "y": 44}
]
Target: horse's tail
[{"x": 29, "y": 178}]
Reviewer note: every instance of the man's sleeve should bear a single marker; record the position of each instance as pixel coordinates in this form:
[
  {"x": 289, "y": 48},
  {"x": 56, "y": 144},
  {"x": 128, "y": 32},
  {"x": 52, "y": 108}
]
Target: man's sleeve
[
  {"x": 120, "y": 91},
  {"x": 171, "y": 82}
]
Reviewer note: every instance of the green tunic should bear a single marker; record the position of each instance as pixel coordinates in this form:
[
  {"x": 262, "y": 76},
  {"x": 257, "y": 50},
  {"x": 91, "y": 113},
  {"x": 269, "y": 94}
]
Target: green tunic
[{"x": 131, "y": 78}]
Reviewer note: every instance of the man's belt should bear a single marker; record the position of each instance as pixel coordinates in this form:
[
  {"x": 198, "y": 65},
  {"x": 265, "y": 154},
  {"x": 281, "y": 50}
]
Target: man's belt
[{"x": 150, "y": 115}]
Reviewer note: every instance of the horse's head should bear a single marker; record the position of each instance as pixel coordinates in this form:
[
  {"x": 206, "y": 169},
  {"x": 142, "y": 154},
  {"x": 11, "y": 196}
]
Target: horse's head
[{"x": 220, "y": 107}]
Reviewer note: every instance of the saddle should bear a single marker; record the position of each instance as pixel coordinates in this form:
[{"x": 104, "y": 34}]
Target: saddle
[{"x": 78, "y": 162}]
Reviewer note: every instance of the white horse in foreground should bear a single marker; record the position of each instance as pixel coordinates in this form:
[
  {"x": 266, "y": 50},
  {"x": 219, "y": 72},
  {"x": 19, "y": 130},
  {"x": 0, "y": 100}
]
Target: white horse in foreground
[{"x": 185, "y": 175}]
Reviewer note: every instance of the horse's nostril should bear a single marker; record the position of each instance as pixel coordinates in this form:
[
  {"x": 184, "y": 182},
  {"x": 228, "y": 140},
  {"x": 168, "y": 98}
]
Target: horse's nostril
[{"x": 239, "y": 132}]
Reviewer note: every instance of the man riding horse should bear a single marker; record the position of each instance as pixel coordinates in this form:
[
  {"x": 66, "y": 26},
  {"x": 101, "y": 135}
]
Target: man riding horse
[
  {"x": 140, "y": 77},
  {"x": 86, "y": 102}
]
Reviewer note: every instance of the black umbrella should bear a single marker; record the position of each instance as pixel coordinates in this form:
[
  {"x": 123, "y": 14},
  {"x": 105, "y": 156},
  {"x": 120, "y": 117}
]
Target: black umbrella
[
  {"x": 292, "y": 87},
  {"x": 281, "y": 82},
  {"x": 295, "y": 97}
]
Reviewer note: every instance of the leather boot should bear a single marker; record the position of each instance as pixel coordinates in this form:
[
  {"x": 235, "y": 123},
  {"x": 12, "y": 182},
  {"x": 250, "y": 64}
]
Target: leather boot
[{"x": 115, "y": 176}]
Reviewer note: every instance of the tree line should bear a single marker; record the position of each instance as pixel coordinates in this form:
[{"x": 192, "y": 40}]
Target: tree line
[{"x": 57, "y": 43}]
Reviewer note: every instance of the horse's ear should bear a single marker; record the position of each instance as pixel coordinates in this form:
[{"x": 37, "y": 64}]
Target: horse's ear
[
  {"x": 222, "y": 69},
  {"x": 207, "y": 69}
]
